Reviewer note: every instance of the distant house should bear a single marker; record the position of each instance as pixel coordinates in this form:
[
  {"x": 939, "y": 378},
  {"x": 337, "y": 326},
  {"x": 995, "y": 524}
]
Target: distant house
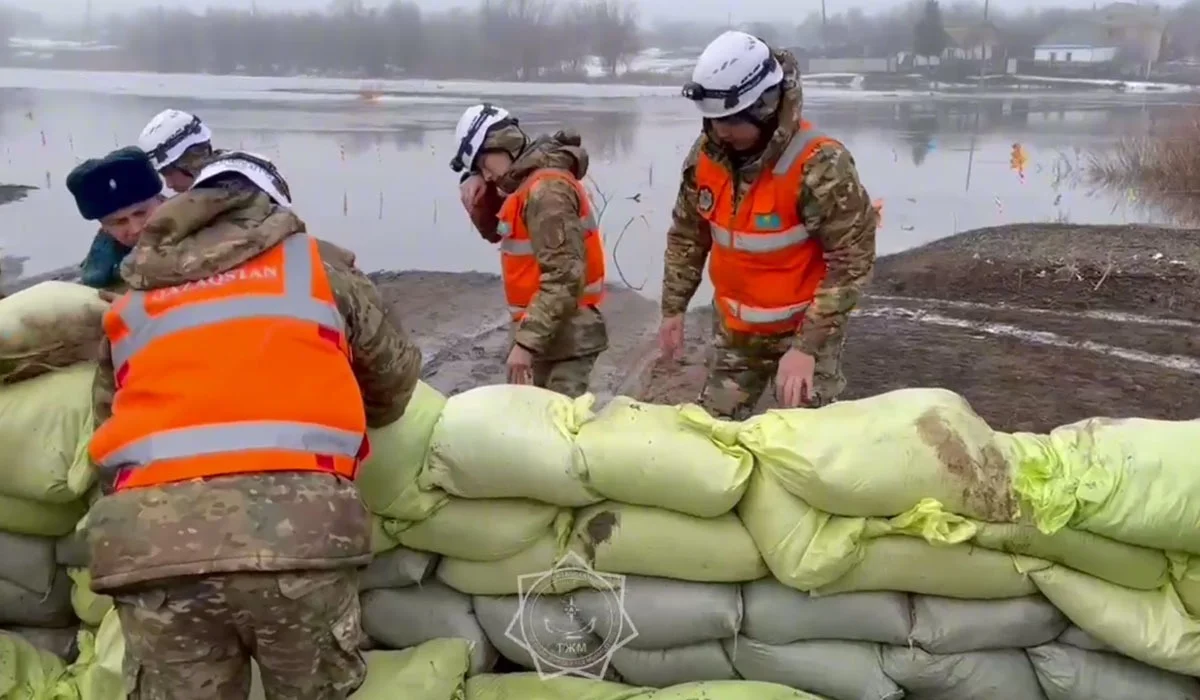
[
  {"x": 980, "y": 42},
  {"x": 1119, "y": 32},
  {"x": 1081, "y": 42}
]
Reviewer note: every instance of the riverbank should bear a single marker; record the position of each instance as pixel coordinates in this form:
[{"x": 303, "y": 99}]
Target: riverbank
[{"x": 13, "y": 193}]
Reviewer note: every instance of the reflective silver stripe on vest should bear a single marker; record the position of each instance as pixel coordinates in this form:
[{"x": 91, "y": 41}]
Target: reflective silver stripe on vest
[
  {"x": 758, "y": 241},
  {"x": 235, "y": 437},
  {"x": 525, "y": 247},
  {"x": 758, "y": 314},
  {"x": 795, "y": 147},
  {"x": 296, "y": 302},
  {"x": 593, "y": 288}
]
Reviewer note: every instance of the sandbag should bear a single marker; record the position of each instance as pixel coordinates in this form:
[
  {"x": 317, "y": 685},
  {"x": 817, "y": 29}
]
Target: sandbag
[
  {"x": 45, "y": 425},
  {"x": 20, "y": 606},
  {"x": 1150, "y": 626},
  {"x": 503, "y": 577},
  {"x": 479, "y": 530},
  {"x": 31, "y": 517},
  {"x": 407, "y": 617},
  {"x": 544, "y": 637},
  {"x": 27, "y": 561},
  {"x": 908, "y": 445},
  {"x": 1133, "y": 480},
  {"x": 838, "y": 670},
  {"x": 1073, "y": 636},
  {"x": 51, "y": 325},
  {"x": 977, "y": 675},
  {"x": 626, "y": 539},
  {"x": 673, "y": 457},
  {"x": 72, "y": 549},
  {"x": 667, "y": 667},
  {"x": 1186, "y": 579},
  {"x": 89, "y": 606},
  {"x": 27, "y": 671},
  {"x": 777, "y": 615},
  {"x": 666, "y": 613},
  {"x": 387, "y": 480},
  {"x": 1067, "y": 673},
  {"x": 950, "y": 626},
  {"x": 528, "y": 686},
  {"x": 397, "y": 568},
  {"x": 98, "y": 672},
  {"x": 510, "y": 441},
  {"x": 60, "y": 642}
]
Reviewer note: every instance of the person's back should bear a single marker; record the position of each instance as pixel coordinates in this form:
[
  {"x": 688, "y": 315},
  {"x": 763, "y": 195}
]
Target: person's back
[{"x": 227, "y": 441}]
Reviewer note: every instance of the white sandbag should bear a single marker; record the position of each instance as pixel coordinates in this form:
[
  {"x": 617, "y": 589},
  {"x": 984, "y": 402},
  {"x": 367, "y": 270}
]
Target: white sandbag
[
  {"x": 488, "y": 529},
  {"x": 510, "y": 441},
  {"x": 49, "y": 326},
  {"x": 834, "y": 669},
  {"x": 673, "y": 457},
  {"x": 547, "y": 630},
  {"x": 27, "y": 561},
  {"x": 397, "y": 568},
  {"x": 667, "y": 614},
  {"x": 1067, "y": 673},
  {"x": 668, "y": 667},
  {"x": 406, "y": 617},
  {"x": 20, "y": 606},
  {"x": 1073, "y": 636},
  {"x": 954, "y": 626},
  {"x": 977, "y": 675},
  {"x": 776, "y": 614},
  {"x": 61, "y": 641}
]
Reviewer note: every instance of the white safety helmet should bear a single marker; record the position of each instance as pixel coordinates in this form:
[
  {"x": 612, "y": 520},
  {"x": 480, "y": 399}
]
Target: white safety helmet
[
  {"x": 169, "y": 134},
  {"x": 731, "y": 74},
  {"x": 255, "y": 168},
  {"x": 473, "y": 127}
]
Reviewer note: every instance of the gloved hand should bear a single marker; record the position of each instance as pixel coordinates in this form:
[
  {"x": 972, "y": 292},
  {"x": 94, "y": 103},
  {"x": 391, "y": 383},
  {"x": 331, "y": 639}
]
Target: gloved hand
[{"x": 482, "y": 202}]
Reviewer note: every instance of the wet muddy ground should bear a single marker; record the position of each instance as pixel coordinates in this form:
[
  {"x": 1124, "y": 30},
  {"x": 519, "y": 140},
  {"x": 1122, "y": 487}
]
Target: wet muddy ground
[{"x": 1036, "y": 325}]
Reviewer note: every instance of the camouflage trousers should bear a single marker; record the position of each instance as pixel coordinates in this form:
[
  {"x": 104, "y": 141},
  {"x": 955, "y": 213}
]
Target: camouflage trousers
[
  {"x": 193, "y": 638},
  {"x": 569, "y": 377},
  {"x": 742, "y": 366}
]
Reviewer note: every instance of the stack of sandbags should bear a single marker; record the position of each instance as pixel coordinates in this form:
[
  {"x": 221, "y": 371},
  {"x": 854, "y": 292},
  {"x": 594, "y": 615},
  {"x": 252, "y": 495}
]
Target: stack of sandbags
[
  {"x": 531, "y": 687},
  {"x": 51, "y": 325}
]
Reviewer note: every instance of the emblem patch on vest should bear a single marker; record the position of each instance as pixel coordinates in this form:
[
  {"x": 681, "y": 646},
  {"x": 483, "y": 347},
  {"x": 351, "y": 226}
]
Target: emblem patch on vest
[
  {"x": 704, "y": 200},
  {"x": 503, "y": 228},
  {"x": 767, "y": 222}
]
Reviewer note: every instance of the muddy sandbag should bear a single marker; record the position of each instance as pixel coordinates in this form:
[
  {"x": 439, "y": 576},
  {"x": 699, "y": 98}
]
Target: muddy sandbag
[
  {"x": 667, "y": 667},
  {"x": 60, "y": 642},
  {"x": 1132, "y": 480},
  {"x": 1150, "y": 626},
  {"x": 49, "y": 326},
  {"x": 838, "y": 670},
  {"x": 1073, "y": 636},
  {"x": 776, "y": 614},
  {"x": 478, "y": 530},
  {"x": 387, "y": 480},
  {"x": 399, "y": 618},
  {"x": 908, "y": 445},
  {"x": 1067, "y": 673},
  {"x": 45, "y": 425},
  {"x": 20, "y": 606},
  {"x": 977, "y": 675},
  {"x": 542, "y": 634},
  {"x": 28, "y": 561},
  {"x": 510, "y": 441},
  {"x": 89, "y": 606},
  {"x": 503, "y": 577},
  {"x": 666, "y": 613},
  {"x": 950, "y": 626},
  {"x": 528, "y": 686},
  {"x": 397, "y": 568},
  {"x": 626, "y": 539},
  {"x": 72, "y": 549},
  {"x": 27, "y": 671},
  {"x": 673, "y": 457}
]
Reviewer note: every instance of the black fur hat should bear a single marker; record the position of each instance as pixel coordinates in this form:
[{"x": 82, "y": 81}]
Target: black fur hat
[{"x": 103, "y": 186}]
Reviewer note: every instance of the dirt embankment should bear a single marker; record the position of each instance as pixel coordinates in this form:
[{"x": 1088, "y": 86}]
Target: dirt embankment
[{"x": 1037, "y": 325}]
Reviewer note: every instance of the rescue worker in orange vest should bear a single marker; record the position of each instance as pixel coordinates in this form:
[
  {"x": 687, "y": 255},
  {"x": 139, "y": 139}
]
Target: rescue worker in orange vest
[
  {"x": 778, "y": 211},
  {"x": 551, "y": 254},
  {"x": 232, "y": 399}
]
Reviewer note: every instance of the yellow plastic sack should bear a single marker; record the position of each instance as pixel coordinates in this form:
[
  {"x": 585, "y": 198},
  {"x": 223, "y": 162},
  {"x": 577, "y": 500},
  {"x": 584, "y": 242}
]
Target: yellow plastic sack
[
  {"x": 45, "y": 425},
  {"x": 28, "y": 517},
  {"x": 1150, "y": 626},
  {"x": 881, "y": 456},
  {"x": 678, "y": 458},
  {"x": 388, "y": 479},
  {"x": 1132, "y": 480},
  {"x": 478, "y": 530},
  {"x": 624, "y": 539},
  {"x": 509, "y": 441},
  {"x": 90, "y": 607},
  {"x": 528, "y": 686},
  {"x": 27, "y": 672},
  {"x": 1186, "y": 579},
  {"x": 97, "y": 673},
  {"x": 503, "y": 577},
  {"x": 49, "y": 326}
]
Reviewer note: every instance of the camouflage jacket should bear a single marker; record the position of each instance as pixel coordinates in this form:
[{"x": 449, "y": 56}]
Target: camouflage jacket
[
  {"x": 555, "y": 327},
  {"x": 832, "y": 203},
  {"x": 275, "y": 522}
]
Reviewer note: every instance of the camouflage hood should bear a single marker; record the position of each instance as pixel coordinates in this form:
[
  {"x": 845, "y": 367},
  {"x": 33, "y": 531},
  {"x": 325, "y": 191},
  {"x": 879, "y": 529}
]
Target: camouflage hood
[
  {"x": 564, "y": 150},
  {"x": 784, "y": 103}
]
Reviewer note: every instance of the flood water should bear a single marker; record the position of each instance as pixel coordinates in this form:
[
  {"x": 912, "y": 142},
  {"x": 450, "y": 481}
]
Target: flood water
[{"x": 373, "y": 175}]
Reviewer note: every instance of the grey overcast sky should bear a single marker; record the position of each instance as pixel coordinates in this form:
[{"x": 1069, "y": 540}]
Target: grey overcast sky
[{"x": 740, "y": 10}]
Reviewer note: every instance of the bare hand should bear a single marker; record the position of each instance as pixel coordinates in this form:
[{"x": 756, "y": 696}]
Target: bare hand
[
  {"x": 471, "y": 190},
  {"x": 794, "y": 379},
  {"x": 670, "y": 336},
  {"x": 108, "y": 296},
  {"x": 520, "y": 366}
]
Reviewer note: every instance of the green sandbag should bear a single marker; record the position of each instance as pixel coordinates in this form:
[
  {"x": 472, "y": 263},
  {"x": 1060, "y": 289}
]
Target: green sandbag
[
  {"x": 528, "y": 686},
  {"x": 388, "y": 479},
  {"x": 27, "y": 672},
  {"x": 1185, "y": 574},
  {"x": 90, "y": 607},
  {"x": 504, "y": 577},
  {"x": 28, "y": 517},
  {"x": 45, "y": 425},
  {"x": 1132, "y": 480},
  {"x": 1151, "y": 626},
  {"x": 477, "y": 530},
  {"x": 98, "y": 672}
]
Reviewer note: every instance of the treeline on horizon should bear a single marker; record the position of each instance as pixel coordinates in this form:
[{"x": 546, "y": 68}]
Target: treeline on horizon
[{"x": 511, "y": 39}]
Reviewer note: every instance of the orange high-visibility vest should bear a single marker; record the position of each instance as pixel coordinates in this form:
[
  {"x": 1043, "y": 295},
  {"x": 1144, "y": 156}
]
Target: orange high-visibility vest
[
  {"x": 765, "y": 268},
  {"x": 244, "y": 372},
  {"x": 518, "y": 264}
]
